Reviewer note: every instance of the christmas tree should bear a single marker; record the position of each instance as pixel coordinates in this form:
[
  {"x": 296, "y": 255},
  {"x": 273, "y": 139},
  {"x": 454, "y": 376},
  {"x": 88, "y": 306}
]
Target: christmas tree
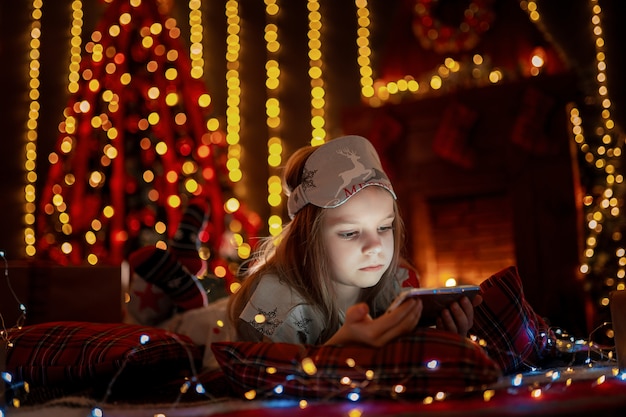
[
  {"x": 137, "y": 143},
  {"x": 602, "y": 177}
]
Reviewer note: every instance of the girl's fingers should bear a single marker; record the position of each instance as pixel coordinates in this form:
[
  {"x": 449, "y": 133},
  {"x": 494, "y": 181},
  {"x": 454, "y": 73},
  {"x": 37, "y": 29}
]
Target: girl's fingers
[
  {"x": 448, "y": 322},
  {"x": 477, "y": 300},
  {"x": 401, "y": 320}
]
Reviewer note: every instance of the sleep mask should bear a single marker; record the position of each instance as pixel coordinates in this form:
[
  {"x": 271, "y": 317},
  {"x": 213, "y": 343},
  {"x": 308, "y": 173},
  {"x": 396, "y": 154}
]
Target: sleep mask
[{"x": 336, "y": 171}]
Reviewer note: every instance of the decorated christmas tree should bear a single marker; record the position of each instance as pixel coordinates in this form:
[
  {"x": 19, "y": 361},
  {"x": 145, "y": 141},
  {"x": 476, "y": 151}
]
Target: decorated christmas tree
[
  {"x": 602, "y": 176},
  {"x": 136, "y": 145}
]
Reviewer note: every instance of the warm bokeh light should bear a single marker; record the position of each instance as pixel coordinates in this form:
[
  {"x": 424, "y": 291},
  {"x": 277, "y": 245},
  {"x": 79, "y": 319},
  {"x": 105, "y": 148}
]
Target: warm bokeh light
[
  {"x": 364, "y": 52},
  {"x": 233, "y": 84},
  {"x": 31, "y": 136},
  {"x": 196, "y": 30},
  {"x": 316, "y": 69},
  {"x": 601, "y": 147},
  {"x": 273, "y": 106},
  {"x": 125, "y": 194}
]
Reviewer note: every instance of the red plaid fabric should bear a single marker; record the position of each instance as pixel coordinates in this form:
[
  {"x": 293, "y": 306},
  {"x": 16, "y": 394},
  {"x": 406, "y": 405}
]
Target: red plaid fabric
[
  {"x": 423, "y": 364},
  {"x": 71, "y": 352},
  {"x": 516, "y": 337}
]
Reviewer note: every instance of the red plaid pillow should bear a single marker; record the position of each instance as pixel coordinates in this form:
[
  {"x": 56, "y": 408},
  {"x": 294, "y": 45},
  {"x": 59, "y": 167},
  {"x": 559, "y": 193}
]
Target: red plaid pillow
[
  {"x": 77, "y": 352},
  {"x": 425, "y": 363},
  {"x": 516, "y": 337}
]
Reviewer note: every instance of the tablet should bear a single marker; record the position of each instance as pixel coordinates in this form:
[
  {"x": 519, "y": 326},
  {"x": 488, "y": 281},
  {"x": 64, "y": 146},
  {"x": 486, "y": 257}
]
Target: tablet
[{"x": 435, "y": 299}]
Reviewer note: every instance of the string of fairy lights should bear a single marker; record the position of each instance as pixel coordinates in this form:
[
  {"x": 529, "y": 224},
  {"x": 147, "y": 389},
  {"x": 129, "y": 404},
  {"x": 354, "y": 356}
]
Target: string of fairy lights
[
  {"x": 233, "y": 85},
  {"x": 316, "y": 74},
  {"x": 233, "y": 116},
  {"x": 377, "y": 92},
  {"x": 72, "y": 88},
  {"x": 477, "y": 70},
  {"x": 75, "y": 46},
  {"x": 601, "y": 150},
  {"x": 364, "y": 52},
  {"x": 196, "y": 31},
  {"x": 273, "y": 116},
  {"x": 31, "y": 130}
]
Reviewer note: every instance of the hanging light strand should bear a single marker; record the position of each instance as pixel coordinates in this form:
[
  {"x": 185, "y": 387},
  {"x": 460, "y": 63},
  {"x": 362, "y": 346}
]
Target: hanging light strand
[
  {"x": 273, "y": 116},
  {"x": 475, "y": 70},
  {"x": 196, "y": 29},
  {"x": 364, "y": 52},
  {"x": 603, "y": 202},
  {"x": 75, "y": 46},
  {"x": 318, "y": 93},
  {"x": 233, "y": 84},
  {"x": 376, "y": 93},
  {"x": 30, "y": 148}
]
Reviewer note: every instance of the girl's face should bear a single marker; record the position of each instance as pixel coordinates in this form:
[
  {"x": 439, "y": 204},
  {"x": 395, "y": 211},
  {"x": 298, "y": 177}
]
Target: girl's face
[{"x": 359, "y": 240}]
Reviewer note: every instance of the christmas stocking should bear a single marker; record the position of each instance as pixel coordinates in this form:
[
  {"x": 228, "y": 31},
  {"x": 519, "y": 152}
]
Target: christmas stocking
[
  {"x": 185, "y": 243},
  {"x": 452, "y": 140},
  {"x": 157, "y": 266}
]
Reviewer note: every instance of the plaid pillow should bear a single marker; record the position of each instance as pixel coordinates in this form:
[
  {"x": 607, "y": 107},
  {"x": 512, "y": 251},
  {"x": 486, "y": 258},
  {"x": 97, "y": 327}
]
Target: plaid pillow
[
  {"x": 424, "y": 363},
  {"x": 516, "y": 337},
  {"x": 80, "y": 352}
]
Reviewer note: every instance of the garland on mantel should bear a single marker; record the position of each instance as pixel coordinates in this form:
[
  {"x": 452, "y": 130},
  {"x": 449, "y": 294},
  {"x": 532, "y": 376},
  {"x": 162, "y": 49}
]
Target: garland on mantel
[{"x": 434, "y": 34}]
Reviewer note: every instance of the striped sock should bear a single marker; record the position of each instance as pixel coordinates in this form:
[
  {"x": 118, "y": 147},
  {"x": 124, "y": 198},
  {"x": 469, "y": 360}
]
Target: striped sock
[
  {"x": 185, "y": 243},
  {"x": 159, "y": 267}
]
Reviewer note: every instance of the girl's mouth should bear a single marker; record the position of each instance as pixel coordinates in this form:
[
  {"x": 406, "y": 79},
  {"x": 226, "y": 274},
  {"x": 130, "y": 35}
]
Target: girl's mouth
[{"x": 372, "y": 268}]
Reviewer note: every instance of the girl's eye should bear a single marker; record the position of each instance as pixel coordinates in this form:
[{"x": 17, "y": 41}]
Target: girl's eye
[
  {"x": 355, "y": 234},
  {"x": 348, "y": 235}
]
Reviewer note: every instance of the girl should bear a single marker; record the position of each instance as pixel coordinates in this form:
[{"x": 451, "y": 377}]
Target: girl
[{"x": 335, "y": 268}]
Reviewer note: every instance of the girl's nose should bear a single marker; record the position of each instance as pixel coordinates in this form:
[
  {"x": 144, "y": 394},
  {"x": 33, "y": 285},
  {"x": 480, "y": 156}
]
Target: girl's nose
[{"x": 373, "y": 246}]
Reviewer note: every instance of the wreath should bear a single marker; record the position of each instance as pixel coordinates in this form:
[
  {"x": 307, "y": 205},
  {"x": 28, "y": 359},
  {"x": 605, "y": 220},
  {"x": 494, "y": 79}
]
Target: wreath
[{"x": 435, "y": 34}]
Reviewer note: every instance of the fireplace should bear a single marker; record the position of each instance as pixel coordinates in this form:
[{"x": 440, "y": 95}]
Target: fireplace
[{"x": 464, "y": 238}]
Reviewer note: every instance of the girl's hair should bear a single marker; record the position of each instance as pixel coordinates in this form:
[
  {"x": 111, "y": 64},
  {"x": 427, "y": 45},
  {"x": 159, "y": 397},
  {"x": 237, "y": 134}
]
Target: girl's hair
[{"x": 299, "y": 258}]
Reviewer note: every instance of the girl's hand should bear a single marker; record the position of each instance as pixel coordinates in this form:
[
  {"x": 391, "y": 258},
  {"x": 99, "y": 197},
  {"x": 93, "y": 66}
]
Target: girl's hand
[
  {"x": 459, "y": 317},
  {"x": 360, "y": 328}
]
